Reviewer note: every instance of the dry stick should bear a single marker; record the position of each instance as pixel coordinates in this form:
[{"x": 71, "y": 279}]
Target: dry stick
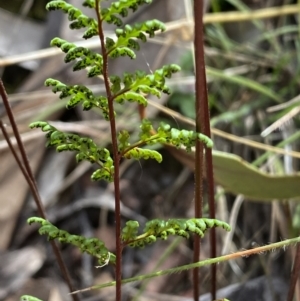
[
  {"x": 27, "y": 172},
  {"x": 200, "y": 100},
  {"x": 295, "y": 275},
  {"x": 116, "y": 157}
]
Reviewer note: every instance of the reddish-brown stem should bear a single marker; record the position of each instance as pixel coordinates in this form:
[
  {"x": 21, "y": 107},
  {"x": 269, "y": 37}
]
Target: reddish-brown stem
[
  {"x": 142, "y": 111},
  {"x": 203, "y": 123},
  {"x": 13, "y": 151},
  {"x": 200, "y": 98},
  {"x": 28, "y": 174},
  {"x": 294, "y": 275},
  {"x": 116, "y": 156},
  {"x": 212, "y": 214}
]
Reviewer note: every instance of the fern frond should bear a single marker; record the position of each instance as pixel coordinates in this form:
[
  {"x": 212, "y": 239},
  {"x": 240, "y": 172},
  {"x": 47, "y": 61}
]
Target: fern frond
[
  {"x": 135, "y": 86},
  {"x": 92, "y": 246},
  {"x": 132, "y": 97},
  {"x": 79, "y": 20},
  {"x": 180, "y": 138},
  {"x": 146, "y": 130},
  {"x": 105, "y": 173},
  {"x": 120, "y": 8},
  {"x": 162, "y": 229},
  {"x": 126, "y": 38},
  {"x": 29, "y": 298},
  {"x": 123, "y": 138},
  {"x": 85, "y": 148},
  {"x": 89, "y": 3},
  {"x": 142, "y": 153},
  {"x": 130, "y": 231},
  {"x": 132, "y": 152},
  {"x": 79, "y": 94},
  {"x": 85, "y": 57},
  {"x": 166, "y": 134}
]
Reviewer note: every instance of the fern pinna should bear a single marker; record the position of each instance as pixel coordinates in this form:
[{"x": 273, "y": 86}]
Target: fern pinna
[
  {"x": 132, "y": 87},
  {"x": 153, "y": 230}
]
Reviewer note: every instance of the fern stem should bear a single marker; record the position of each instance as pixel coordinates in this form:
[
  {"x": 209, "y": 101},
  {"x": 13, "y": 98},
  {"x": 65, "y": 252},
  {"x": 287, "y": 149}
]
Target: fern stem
[
  {"x": 212, "y": 214},
  {"x": 116, "y": 158},
  {"x": 200, "y": 99},
  {"x": 123, "y": 91},
  {"x": 139, "y": 143},
  {"x": 205, "y": 126},
  {"x": 202, "y": 110}
]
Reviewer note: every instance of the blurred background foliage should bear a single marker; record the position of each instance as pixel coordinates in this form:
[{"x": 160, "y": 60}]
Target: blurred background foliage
[{"x": 252, "y": 57}]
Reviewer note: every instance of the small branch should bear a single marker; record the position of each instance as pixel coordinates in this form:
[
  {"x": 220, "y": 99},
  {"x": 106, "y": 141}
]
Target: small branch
[
  {"x": 28, "y": 174},
  {"x": 116, "y": 156}
]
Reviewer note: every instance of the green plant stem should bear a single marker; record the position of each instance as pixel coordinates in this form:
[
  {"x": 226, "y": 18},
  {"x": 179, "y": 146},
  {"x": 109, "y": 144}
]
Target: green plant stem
[
  {"x": 123, "y": 91},
  {"x": 259, "y": 250},
  {"x": 29, "y": 177},
  {"x": 140, "y": 237},
  {"x": 137, "y": 144},
  {"x": 200, "y": 98},
  {"x": 116, "y": 157}
]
